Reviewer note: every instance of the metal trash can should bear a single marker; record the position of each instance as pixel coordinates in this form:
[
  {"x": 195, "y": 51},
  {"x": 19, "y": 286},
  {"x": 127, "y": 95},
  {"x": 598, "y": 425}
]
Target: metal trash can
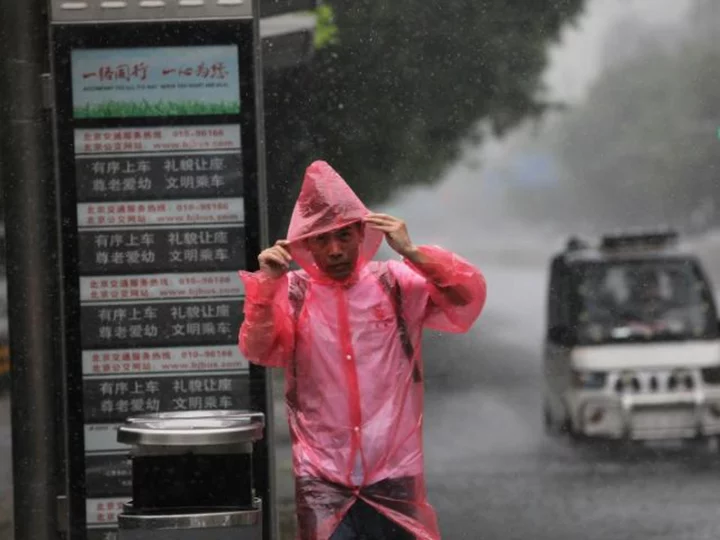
[{"x": 192, "y": 476}]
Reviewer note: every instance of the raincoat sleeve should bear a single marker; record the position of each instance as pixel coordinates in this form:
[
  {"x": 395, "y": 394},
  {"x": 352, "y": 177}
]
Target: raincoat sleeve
[
  {"x": 445, "y": 271},
  {"x": 267, "y": 334}
]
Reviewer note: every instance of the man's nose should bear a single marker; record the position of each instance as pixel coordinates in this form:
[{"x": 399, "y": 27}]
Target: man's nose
[{"x": 334, "y": 249}]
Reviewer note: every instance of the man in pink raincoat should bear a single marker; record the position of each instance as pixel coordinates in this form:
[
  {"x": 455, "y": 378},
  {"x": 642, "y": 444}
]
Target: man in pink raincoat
[{"x": 347, "y": 330}]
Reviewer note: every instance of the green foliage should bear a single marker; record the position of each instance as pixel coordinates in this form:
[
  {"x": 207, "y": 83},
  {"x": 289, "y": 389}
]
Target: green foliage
[
  {"x": 643, "y": 148},
  {"x": 326, "y": 31}
]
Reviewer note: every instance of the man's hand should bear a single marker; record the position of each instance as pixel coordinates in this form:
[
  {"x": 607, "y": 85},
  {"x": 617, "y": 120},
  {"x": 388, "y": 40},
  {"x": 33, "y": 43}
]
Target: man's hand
[
  {"x": 275, "y": 261},
  {"x": 396, "y": 234},
  {"x": 398, "y": 238}
]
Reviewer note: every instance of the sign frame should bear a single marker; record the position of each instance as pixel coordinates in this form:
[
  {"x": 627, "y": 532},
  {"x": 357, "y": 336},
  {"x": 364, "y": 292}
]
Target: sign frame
[{"x": 242, "y": 33}]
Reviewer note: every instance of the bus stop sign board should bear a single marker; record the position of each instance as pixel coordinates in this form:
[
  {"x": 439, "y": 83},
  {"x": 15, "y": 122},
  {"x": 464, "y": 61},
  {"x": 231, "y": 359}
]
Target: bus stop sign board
[{"x": 158, "y": 170}]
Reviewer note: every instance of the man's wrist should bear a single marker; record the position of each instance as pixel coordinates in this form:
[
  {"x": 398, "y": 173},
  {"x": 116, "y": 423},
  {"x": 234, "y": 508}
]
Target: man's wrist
[
  {"x": 426, "y": 265},
  {"x": 414, "y": 255},
  {"x": 267, "y": 286},
  {"x": 269, "y": 275}
]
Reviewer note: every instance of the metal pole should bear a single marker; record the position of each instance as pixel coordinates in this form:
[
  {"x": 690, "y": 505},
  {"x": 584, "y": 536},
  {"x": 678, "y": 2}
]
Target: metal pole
[
  {"x": 271, "y": 520},
  {"x": 28, "y": 185}
]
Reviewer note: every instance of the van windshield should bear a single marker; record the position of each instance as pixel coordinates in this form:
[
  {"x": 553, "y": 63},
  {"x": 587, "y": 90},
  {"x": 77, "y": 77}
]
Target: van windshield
[{"x": 655, "y": 300}]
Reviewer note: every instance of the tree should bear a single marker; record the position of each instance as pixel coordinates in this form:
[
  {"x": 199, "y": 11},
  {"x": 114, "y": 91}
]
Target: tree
[
  {"x": 643, "y": 147},
  {"x": 404, "y": 84}
]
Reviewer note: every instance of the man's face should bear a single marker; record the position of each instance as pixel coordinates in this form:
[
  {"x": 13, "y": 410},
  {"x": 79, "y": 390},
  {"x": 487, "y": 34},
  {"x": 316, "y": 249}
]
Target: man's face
[{"x": 336, "y": 252}]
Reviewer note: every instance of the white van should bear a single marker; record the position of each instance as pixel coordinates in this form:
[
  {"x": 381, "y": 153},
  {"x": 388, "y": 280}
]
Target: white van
[{"x": 632, "y": 349}]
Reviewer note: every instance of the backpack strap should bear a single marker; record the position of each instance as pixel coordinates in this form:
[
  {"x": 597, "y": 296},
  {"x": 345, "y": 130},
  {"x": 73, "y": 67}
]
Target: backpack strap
[
  {"x": 392, "y": 288},
  {"x": 297, "y": 290}
]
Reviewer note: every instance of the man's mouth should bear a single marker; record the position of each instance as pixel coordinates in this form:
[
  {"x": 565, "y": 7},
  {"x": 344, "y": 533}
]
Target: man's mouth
[{"x": 339, "y": 268}]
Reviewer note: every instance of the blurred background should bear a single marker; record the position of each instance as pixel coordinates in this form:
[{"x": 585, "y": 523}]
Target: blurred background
[{"x": 497, "y": 129}]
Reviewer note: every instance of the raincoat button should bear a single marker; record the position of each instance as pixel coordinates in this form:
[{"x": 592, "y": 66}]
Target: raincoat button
[
  {"x": 349, "y": 357},
  {"x": 357, "y": 428}
]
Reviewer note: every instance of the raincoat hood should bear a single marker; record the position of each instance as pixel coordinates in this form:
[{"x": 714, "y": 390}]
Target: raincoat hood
[{"x": 327, "y": 203}]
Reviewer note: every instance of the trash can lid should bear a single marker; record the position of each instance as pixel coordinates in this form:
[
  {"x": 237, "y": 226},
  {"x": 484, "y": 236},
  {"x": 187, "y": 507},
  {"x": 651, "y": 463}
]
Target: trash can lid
[
  {"x": 196, "y": 414},
  {"x": 192, "y": 428}
]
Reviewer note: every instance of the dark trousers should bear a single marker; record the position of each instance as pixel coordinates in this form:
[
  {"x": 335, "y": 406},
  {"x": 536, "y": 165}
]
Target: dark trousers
[{"x": 363, "y": 522}]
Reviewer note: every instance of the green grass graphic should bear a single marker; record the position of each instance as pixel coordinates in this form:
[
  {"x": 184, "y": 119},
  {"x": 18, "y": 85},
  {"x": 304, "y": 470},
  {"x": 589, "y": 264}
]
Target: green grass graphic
[{"x": 126, "y": 109}]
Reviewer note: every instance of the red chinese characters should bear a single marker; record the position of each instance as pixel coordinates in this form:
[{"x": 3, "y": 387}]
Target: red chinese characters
[
  {"x": 217, "y": 70},
  {"x": 120, "y": 72}
]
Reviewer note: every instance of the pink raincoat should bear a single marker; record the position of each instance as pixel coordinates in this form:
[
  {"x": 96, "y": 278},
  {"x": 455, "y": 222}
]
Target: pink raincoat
[{"x": 351, "y": 351}]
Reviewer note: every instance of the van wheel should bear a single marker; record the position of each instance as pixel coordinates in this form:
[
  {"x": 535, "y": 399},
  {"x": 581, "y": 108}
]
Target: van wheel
[
  {"x": 573, "y": 434},
  {"x": 699, "y": 443}
]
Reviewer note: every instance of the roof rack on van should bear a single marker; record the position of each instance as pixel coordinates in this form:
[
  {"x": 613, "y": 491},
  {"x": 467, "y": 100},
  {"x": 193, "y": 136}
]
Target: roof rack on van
[
  {"x": 575, "y": 244},
  {"x": 650, "y": 239}
]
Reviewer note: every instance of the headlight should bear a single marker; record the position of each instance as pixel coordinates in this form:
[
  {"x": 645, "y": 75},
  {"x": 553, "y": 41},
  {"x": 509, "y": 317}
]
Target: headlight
[
  {"x": 589, "y": 380},
  {"x": 681, "y": 379},
  {"x": 627, "y": 381}
]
